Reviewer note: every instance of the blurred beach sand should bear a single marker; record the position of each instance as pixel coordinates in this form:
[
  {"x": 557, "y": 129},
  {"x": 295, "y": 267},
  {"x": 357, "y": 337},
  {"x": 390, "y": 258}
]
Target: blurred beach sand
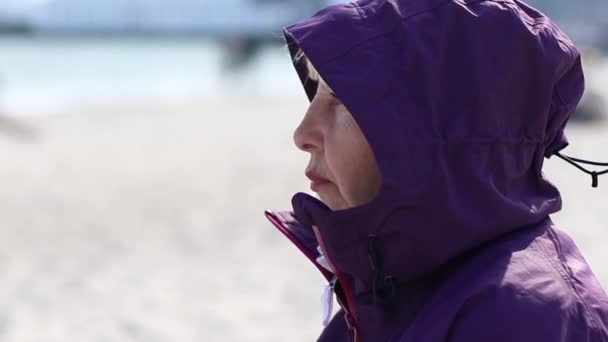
[{"x": 145, "y": 222}]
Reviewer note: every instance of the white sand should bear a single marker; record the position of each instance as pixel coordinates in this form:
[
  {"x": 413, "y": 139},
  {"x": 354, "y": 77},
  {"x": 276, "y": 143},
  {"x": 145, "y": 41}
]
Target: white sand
[{"x": 145, "y": 223}]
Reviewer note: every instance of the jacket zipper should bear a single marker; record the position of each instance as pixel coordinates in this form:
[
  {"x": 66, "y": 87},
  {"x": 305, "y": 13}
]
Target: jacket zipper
[
  {"x": 328, "y": 300},
  {"x": 335, "y": 279},
  {"x": 277, "y": 223},
  {"x": 349, "y": 306}
]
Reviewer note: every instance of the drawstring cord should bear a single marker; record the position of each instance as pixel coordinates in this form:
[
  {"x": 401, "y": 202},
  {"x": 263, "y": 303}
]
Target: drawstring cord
[
  {"x": 378, "y": 276},
  {"x": 374, "y": 261},
  {"x": 594, "y": 174}
]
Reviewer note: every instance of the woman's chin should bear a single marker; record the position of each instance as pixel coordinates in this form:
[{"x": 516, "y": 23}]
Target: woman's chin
[{"x": 333, "y": 202}]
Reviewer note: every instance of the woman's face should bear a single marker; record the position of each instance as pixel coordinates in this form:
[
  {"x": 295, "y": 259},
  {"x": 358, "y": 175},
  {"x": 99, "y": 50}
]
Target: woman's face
[{"x": 342, "y": 167}]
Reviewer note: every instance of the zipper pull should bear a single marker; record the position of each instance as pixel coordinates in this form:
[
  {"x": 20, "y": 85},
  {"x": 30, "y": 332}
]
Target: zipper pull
[
  {"x": 327, "y": 300},
  {"x": 322, "y": 261}
]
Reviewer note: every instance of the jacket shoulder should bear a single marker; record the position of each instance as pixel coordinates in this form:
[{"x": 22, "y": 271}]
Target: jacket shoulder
[
  {"x": 531, "y": 285},
  {"x": 544, "y": 291},
  {"x": 509, "y": 313}
]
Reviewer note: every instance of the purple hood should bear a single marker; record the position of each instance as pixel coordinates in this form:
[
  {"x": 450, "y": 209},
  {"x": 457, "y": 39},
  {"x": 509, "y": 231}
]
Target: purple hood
[{"x": 460, "y": 101}]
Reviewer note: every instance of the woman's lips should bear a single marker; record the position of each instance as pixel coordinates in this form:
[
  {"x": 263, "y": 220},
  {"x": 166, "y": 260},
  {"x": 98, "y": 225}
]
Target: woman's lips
[
  {"x": 314, "y": 185},
  {"x": 316, "y": 180}
]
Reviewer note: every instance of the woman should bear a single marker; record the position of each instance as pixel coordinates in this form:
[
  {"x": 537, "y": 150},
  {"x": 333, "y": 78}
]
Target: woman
[{"x": 427, "y": 129}]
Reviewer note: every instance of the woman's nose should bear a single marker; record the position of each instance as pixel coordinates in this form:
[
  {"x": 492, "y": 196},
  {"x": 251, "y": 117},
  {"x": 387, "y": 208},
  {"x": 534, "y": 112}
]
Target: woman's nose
[{"x": 308, "y": 136}]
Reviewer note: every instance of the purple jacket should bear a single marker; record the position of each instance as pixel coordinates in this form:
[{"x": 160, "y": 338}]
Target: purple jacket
[{"x": 461, "y": 101}]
